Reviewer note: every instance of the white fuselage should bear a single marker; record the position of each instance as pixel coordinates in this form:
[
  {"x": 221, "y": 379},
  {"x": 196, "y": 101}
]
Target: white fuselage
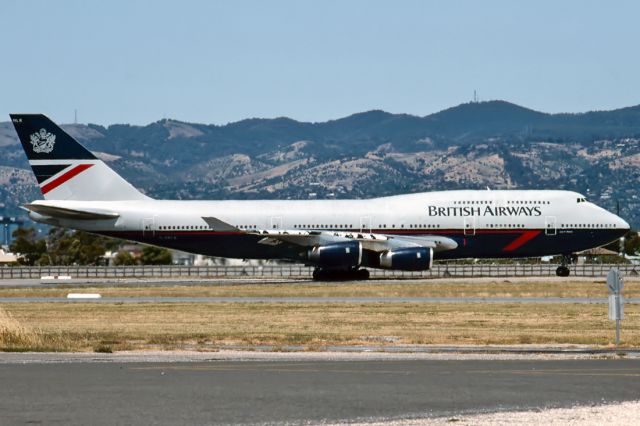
[
  {"x": 434, "y": 210},
  {"x": 481, "y": 220}
]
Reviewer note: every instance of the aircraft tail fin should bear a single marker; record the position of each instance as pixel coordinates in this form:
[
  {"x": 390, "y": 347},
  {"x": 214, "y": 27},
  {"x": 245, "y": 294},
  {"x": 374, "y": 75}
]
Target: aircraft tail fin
[{"x": 64, "y": 169}]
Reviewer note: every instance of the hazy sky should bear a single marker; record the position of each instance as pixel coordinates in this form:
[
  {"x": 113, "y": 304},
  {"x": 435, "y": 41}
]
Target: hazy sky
[{"x": 220, "y": 61}]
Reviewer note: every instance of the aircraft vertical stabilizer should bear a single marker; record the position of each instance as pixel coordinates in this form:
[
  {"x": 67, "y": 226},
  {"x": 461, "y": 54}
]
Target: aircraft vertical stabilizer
[{"x": 65, "y": 169}]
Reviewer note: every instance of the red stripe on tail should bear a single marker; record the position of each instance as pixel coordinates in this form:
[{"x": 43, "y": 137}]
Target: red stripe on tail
[{"x": 65, "y": 177}]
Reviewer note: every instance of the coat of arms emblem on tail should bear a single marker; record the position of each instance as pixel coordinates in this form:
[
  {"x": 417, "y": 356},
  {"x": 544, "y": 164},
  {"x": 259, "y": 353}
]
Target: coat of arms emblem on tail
[{"x": 43, "y": 141}]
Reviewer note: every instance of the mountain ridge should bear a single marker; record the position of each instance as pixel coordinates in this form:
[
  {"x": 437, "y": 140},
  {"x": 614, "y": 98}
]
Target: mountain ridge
[
  {"x": 493, "y": 144},
  {"x": 483, "y": 114}
]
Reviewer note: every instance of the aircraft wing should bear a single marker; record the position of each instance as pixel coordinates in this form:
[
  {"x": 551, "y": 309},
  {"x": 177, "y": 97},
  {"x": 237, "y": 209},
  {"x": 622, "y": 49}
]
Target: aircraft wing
[
  {"x": 373, "y": 242},
  {"x": 219, "y": 225}
]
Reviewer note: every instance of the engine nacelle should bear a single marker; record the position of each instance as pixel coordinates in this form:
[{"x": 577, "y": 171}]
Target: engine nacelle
[
  {"x": 407, "y": 259},
  {"x": 337, "y": 255}
]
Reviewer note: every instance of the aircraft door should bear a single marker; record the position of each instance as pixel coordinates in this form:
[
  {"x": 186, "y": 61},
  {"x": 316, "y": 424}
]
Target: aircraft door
[
  {"x": 149, "y": 226},
  {"x": 470, "y": 225},
  {"x": 550, "y": 225},
  {"x": 276, "y": 222},
  {"x": 365, "y": 224}
]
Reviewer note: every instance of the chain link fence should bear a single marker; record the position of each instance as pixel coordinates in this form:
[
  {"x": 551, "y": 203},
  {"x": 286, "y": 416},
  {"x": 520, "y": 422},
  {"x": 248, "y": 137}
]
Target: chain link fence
[{"x": 298, "y": 271}]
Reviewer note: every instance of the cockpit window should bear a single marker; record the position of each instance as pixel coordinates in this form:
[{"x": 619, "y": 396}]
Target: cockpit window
[{"x": 582, "y": 200}]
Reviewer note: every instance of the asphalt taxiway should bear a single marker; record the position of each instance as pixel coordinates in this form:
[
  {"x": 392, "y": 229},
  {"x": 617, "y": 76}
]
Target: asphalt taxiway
[
  {"x": 142, "y": 282},
  {"x": 297, "y": 391}
]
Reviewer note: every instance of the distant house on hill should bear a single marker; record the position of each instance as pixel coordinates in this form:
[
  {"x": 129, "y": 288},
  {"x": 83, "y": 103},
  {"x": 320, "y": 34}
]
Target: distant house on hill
[
  {"x": 599, "y": 255},
  {"x": 7, "y": 258}
]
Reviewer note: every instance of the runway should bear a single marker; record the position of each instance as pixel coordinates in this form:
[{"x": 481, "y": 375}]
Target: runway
[
  {"x": 142, "y": 282},
  {"x": 295, "y": 300},
  {"x": 288, "y": 391}
]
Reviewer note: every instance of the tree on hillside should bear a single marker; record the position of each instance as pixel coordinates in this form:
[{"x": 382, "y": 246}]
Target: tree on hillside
[
  {"x": 124, "y": 258},
  {"x": 26, "y": 243},
  {"x": 68, "y": 247},
  {"x": 152, "y": 255},
  {"x": 632, "y": 243}
]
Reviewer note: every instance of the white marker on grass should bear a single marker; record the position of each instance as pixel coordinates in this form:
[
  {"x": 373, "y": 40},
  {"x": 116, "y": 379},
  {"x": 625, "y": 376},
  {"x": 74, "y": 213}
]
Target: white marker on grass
[{"x": 83, "y": 296}]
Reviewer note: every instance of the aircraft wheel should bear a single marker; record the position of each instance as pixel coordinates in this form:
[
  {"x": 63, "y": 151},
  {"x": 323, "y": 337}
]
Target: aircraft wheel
[
  {"x": 362, "y": 274},
  {"x": 563, "y": 271},
  {"x": 318, "y": 274}
]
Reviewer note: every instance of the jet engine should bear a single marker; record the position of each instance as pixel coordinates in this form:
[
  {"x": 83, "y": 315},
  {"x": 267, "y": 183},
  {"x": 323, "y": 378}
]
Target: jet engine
[
  {"x": 337, "y": 255},
  {"x": 407, "y": 259}
]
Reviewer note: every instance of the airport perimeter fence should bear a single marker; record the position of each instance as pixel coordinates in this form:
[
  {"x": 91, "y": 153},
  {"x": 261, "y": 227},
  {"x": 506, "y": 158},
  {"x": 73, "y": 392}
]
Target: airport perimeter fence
[{"x": 441, "y": 270}]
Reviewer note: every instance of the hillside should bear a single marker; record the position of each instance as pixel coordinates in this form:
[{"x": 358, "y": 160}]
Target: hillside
[{"x": 476, "y": 145}]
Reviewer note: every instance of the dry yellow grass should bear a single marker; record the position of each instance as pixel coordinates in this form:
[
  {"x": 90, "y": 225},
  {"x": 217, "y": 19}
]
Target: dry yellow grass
[
  {"x": 209, "y": 326},
  {"x": 50, "y": 326},
  {"x": 13, "y": 333},
  {"x": 16, "y": 336},
  {"x": 426, "y": 288}
]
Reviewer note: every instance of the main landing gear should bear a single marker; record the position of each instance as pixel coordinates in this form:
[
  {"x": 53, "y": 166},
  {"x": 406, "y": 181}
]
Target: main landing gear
[
  {"x": 563, "y": 270},
  {"x": 320, "y": 274}
]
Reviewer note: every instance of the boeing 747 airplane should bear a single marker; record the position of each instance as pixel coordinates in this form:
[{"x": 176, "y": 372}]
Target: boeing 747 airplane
[{"x": 338, "y": 237}]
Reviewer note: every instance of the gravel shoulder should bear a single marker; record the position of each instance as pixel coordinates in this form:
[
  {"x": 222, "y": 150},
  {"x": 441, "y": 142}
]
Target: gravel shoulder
[
  {"x": 492, "y": 353},
  {"x": 625, "y": 413}
]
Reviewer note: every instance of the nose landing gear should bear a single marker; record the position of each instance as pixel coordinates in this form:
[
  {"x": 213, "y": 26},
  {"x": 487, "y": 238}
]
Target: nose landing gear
[{"x": 563, "y": 270}]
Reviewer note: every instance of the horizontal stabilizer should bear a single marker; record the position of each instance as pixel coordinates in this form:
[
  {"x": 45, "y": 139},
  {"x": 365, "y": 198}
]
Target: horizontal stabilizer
[{"x": 73, "y": 214}]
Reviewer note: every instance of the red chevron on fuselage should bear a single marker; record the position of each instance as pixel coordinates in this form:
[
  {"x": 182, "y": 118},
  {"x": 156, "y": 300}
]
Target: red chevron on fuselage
[{"x": 522, "y": 239}]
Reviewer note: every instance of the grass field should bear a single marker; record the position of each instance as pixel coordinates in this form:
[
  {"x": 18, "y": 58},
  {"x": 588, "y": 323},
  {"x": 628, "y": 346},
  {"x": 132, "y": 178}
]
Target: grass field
[
  {"x": 111, "y": 327},
  {"x": 209, "y": 326},
  {"x": 498, "y": 287}
]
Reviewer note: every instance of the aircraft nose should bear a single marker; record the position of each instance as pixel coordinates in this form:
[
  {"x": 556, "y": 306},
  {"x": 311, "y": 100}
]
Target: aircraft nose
[
  {"x": 624, "y": 224},
  {"x": 621, "y": 223}
]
